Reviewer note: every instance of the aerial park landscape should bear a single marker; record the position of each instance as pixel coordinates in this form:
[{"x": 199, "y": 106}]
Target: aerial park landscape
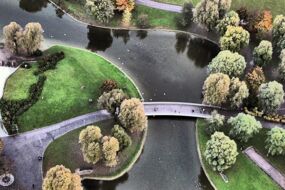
[{"x": 146, "y": 94}]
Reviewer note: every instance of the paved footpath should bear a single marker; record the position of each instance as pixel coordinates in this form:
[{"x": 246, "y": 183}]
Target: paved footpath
[
  {"x": 161, "y": 6},
  {"x": 265, "y": 166}
]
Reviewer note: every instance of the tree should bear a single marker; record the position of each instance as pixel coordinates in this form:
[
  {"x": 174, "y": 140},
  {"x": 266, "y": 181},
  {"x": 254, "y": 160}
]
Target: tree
[
  {"x": 132, "y": 115},
  {"x": 120, "y": 134},
  {"x": 275, "y": 142},
  {"x": 111, "y": 100},
  {"x": 238, "y": 92},
  {"x": 231, "y": 19},
  {"x": 254, "y": 79},
  {"x": 232, "y": 64},
  {"x": 208, "y": 12},
  {"x": 265, "y": 23},
  {"x": 123, "y": 5},
  {"x": 262, "y": 54},
  {"x": 127, "y": 17},
  {"x": 110, "y": 148},
  {"x": 234, "y": 39},
  {"x": 278, "y": 33},
  {"x": 102, "y": 10},
  {"x": 216, "y": 89},
  {"x": 221, "y": 152},
  {"x": 281, "y": 67},
  {"x": 215, "y": 122},
  {"x": 187, "y": 15},
  {"x": 60, "y": 177},
  {"x": 143, "y": 21},
  {"x": 10, "y": 33},
  {"x": 270, "y": 96},
  {"x": 108, "y": 85},
  {"x": 1, "y": 146},
  {"x": 89, "y": 138},
  {"x": 244, "y": 126}
]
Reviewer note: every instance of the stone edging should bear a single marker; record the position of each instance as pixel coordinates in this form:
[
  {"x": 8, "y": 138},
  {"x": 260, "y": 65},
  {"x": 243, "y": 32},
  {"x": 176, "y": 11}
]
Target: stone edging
[
  {"x": 200, "y": 157},
  {"x": 132, "y": 28}
]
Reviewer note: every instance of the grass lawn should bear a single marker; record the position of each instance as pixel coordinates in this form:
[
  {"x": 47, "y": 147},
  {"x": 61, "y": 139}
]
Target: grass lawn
[
  {"x": 67, "y": 146},
  {"x": 68, "y": 88},
  {"x": 244, "y": 174},
  {"x": 276, "y": 6}
]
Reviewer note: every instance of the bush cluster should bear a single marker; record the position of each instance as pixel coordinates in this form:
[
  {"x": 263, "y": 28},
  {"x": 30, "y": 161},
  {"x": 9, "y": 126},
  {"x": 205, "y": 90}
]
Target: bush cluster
[
  {"x": 49, "y": 62},
  {"x": 123, "y": 138}
]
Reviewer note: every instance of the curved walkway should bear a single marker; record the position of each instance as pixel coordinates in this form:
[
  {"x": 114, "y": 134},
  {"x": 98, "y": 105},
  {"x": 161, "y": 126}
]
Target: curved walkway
[{"x": 161, "y": 6}]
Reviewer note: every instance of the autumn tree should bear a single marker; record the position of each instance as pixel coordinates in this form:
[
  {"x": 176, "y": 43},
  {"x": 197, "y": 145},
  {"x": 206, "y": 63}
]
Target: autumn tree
[
  {"x": 262, "y": 54},
  {"x": 110, "y": 148},
  {"x": 232, "y": 64},
  {"x": 231, "y": 19},
  {"x": 111, "y": 100},
  {"x": 275, "y": 142},
  {"x": 121, "y": 135},
  {"x": 90, "y": 138},
  {"x": 281, "y": 67},
  {"x": 123, "y": 5},
  {"x": 215, "y": 122},
  {"x": 238, "y": 92},
  {"x": 278, "y": 33},
  {"x": 244, "y": 126},
  {"x": 132, "y": 115},
  {"x": 102, "y": 10},
  {"x": 127, "y": 17},
  {"x": 60, "y": 177},
  {"x": 221, "y": 152},
  {"x": 108, "y": 85},
  {"x": 11, "y": 32},
  {"x": 208, "y": 12},
  {"x": 234, "y": 39},
  {"x": 216, "y": 89},
  {"x": 254, "y": 79},
  {"x": 270, "y": 96},
  {"x": 265, "y": 24}
]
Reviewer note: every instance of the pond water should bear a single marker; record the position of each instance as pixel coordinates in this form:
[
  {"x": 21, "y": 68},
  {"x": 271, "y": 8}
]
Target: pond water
[{"x": 166, "y": 66}]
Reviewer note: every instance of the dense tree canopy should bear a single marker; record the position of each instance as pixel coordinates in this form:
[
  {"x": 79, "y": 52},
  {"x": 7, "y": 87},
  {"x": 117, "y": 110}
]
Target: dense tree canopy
[
  {"x": 231, "y": 19},
  {"x": 61, "y": 178},
  {"x": 215, "y": 122},
  {"x": 132, "y": 115},
  {"x": 110, "y": 148},
  {"x": 232, "y": 64},
  {"x": 120, "y": 134},
  {"x": 11, "y": 32},
  {"x": 238, "y": 92},
  {"x": 208, "y": 12},
  {"x": 278, "y": 33},
  {"x": 221, "y": 152},
  {"x": 244, "y": 126},
  {"x": 111, "y": 100},
  {"x": 262, "y": 54},
  {"x": 216, "y": 89},
  {"x": 102, "y": 10},
  {"x": 254, "y": 79},
  {"x": 275, "y": 142},
  {"x": 270, "y": 96},
  {"x": 89, "y": 139},
  {"x": 234, "y": 39}
]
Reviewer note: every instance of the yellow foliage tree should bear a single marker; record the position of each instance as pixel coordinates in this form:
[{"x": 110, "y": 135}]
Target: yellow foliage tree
[{"x": 110, "y": 148}]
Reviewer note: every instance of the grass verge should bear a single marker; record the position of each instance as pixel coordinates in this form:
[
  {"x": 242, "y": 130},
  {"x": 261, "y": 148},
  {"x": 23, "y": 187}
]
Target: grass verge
[{"x": 244, "y": 174}]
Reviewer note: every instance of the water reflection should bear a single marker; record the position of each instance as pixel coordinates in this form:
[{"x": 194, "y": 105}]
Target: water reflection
[
  {"x": 141, "y": 34},
  {"x": 33, "y": 5},
  {"x": 182, "y": 40},
  {"x": 104, "y": 185},
  {"x": 100, "y": 39},
  {"x": 59, "y": 13},
  {"x": 124, "y": 34}
]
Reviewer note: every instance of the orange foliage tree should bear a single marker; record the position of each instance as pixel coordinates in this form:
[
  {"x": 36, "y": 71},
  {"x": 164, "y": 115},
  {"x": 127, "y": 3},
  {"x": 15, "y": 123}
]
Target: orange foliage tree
[
  {"x": 265, "y": 24},
  {"x": 122, "y": 5}
]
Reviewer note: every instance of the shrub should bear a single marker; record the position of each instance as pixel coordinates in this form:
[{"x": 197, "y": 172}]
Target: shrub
[
  {"x": 262, "y": 54},
  {"x": 49, "y": 62},
  {"x": 120, "y": 134},
  {"x": 270, "y": 96},
  {"x": 143, "y": 21},
  {"x": 234, "y": 39},
  {"x": 215, "y": 122},
  {"x": 60, "y": 177},
  {"x": 278, "y": 33},
  {"x": 232, "y": 64},
  {"x": 216, "y": 89},
  {"x": 110, "y": 148},
  {"x": 111, "y": 100},
  {"x": 102, "y": 10},
  {"x": 230, "y": 19},
  {"x": 187, "y": 15},
  {"x": 221, "y": 152},
  {"x": 275, "y": 142},
  {"x": 89, "y": 138},
  {"x": 108, "y": 85},
  {"x": 132, "y": 115},
  {"x": 244, "y": 126},
  {"x": 238, "y": 92}
]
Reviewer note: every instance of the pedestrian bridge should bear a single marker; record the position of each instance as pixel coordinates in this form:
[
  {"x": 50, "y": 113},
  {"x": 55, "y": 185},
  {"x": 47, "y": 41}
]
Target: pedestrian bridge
[{"x": 179, "y": 109}]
